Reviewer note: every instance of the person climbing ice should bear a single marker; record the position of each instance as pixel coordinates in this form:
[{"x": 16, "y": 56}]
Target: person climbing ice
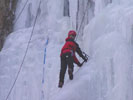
[{"x": 68, "y": 57}]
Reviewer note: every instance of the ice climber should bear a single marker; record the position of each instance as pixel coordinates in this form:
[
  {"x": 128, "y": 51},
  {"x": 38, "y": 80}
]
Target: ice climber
[{"x": 68, "y": 57}]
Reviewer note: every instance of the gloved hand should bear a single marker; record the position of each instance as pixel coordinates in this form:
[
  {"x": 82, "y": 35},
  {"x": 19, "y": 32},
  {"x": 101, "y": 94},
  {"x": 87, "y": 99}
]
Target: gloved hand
[
  {"x": 85, "y": 59},
  {"x": 80, "y": 64}
]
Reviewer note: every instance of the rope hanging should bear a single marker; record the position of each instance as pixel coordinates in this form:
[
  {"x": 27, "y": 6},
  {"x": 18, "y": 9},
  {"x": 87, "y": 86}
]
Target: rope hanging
[
  {"x": 78, "y": 30},
  {"x": 24, "y": 54},
  {"x": 21, "y": 12}
]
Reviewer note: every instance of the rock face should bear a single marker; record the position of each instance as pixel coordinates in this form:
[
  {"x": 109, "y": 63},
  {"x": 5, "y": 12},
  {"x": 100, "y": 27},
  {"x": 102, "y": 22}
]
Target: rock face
[{"x": 7, "y": 11}]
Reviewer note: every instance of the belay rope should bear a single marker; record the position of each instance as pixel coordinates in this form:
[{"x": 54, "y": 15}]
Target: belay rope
[
  {"x": 21, "y": 12},
  {"x": 24, "y": 54}
]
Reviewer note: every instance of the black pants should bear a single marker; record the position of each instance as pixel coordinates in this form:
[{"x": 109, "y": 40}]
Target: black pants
[{"x": 66, "y": 60}]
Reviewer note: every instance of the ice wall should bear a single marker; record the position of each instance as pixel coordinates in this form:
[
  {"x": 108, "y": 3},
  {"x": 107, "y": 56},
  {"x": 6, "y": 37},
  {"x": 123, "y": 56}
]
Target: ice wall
[
  {"x": 109, "y": 37},
  {"x": 50, "y": 22}
]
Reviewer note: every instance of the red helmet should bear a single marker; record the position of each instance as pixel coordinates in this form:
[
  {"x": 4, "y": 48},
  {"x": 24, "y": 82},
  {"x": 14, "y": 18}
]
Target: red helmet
[{"x": 72, "y": 32}]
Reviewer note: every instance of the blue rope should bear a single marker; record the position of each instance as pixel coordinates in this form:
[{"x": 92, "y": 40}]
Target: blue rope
[{"x": 45, "y": 51}]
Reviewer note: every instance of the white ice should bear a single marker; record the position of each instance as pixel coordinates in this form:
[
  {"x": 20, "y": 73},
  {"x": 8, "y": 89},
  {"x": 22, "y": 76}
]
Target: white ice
[{"x": 107, "y": 39}]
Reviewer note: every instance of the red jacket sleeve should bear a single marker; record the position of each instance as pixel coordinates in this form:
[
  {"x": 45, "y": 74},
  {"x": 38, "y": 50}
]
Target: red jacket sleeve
[{"x": 76, "y": 60}]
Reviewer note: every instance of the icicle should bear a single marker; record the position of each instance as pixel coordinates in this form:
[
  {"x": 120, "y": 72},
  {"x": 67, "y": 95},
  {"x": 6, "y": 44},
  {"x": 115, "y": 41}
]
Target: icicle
[{"x": 66, "y": 8}]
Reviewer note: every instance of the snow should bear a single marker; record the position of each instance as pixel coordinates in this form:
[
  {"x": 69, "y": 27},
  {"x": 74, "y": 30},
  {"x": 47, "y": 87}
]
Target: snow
[{"x": 107, "y": 39}]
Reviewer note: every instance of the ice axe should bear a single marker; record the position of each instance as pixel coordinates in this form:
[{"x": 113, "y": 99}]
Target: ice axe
[{"x": 86, "y": 56}]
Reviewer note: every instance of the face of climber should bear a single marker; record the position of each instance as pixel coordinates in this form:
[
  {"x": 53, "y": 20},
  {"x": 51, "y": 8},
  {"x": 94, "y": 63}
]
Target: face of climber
[{"x": 73, "y": 36}]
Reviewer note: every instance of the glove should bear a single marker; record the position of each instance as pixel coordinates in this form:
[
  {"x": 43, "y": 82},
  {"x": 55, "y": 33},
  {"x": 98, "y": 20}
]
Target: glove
[
  {"x": 85, "y": 59},
  {"x": 80, "y": 64}
]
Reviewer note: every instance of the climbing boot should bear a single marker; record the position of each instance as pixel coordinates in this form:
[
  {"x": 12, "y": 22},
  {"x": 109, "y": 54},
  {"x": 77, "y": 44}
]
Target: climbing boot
[
  {"x": 60, "y": 84},
  {"x": 70, "y": 74}
]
